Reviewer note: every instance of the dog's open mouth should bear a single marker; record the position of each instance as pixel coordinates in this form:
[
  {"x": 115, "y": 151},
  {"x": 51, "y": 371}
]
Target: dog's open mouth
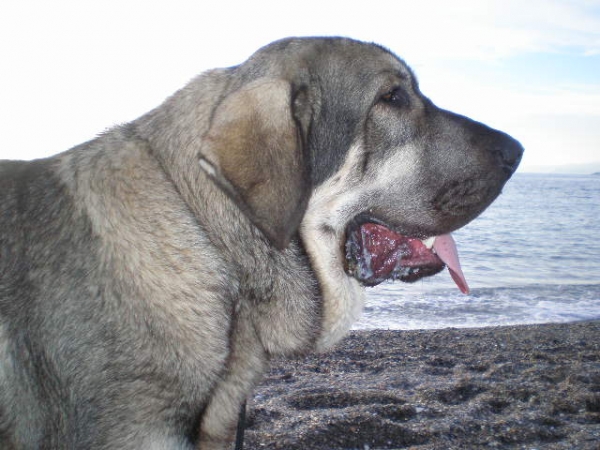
[{"x": 375, "y": 253}]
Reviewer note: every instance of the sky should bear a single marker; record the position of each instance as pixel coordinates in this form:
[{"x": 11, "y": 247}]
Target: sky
[{"x": 72, "y": 69}]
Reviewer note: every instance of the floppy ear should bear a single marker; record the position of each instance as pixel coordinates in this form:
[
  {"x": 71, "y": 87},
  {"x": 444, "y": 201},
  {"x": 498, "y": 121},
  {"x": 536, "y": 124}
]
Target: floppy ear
[{"x": 254, "y": 151}]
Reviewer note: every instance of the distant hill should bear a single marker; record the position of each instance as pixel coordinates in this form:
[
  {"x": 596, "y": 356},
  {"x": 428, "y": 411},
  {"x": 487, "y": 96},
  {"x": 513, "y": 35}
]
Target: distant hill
[{"x": 579, "y": 169}]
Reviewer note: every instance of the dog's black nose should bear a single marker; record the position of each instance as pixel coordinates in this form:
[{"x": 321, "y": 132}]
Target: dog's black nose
[
  {"x": 505, "y": 152},
  {"x": 509, "y": 152}
]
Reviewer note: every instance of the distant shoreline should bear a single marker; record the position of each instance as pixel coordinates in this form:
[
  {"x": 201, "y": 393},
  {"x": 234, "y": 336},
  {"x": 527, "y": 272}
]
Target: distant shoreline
[
  {"x": 558, "y": 172},
  {"x": 566, "y": 169}
]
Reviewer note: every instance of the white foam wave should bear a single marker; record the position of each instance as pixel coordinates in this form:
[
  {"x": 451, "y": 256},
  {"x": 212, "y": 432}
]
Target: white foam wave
[{"x": 398, "y": 309}]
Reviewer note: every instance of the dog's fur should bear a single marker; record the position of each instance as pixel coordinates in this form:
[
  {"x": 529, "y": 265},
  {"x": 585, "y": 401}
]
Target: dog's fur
[{"x": 147, "y": 276}]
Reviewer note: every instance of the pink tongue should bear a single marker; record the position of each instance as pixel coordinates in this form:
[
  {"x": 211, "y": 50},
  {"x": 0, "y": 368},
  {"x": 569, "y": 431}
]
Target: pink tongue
[{"x": 445, "y": 247}]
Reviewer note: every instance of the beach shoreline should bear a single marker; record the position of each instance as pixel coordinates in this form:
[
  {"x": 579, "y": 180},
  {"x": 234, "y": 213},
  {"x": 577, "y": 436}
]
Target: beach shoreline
[{"x": 511, "y": 387}]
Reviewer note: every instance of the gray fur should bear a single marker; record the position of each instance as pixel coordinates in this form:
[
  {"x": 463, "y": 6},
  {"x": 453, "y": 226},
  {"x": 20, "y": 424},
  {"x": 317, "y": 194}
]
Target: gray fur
[{"x": 147, "y": 276}]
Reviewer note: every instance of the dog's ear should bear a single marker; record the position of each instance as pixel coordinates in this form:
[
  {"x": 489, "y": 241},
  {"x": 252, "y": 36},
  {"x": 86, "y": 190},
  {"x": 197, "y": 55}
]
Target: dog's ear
[{"x": 254, "y": 151}]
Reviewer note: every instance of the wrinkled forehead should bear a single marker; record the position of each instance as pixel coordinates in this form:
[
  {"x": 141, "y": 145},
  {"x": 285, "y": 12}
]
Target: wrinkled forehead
[{"x": 329, "y": 59}]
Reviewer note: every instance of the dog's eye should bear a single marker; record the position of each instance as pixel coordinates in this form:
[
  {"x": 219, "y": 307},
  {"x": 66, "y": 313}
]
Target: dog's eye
[{"x": 396, "y": 97}]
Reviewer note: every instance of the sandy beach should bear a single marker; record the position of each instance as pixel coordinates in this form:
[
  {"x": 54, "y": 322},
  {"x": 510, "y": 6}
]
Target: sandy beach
[{"x": 518, "y": 387}]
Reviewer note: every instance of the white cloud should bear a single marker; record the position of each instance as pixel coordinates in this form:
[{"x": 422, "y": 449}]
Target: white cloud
[
  {"x": 544, "y": 25},
  {"x": 72, "y": 68}
]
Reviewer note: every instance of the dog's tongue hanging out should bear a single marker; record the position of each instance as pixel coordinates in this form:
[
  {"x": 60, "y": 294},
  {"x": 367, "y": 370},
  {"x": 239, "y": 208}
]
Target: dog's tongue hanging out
[
  {"x": 445, "y": 248},
  {"x": 374, "y": 253}
]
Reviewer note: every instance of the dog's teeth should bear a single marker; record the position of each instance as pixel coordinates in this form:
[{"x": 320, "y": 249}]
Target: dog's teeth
[{"x": 429, "y": 242}]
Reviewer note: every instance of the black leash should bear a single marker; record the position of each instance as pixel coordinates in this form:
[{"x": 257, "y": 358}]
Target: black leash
[{"x": 239, "y": 436}]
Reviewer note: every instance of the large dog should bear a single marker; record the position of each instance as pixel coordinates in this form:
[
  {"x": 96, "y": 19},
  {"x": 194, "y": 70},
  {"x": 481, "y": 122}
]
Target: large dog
[{"x": 147, "y": 276}]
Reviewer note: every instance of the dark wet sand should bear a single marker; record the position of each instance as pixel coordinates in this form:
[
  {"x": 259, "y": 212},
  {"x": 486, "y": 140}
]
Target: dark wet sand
[{"x": 518, "y": 387}]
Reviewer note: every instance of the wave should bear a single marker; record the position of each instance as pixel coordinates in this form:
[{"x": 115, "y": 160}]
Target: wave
[{"x": 531, "y": 304}]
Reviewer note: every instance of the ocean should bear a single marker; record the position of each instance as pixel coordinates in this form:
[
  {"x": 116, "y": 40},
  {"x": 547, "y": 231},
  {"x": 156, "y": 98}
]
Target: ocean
[{"x": 531, "y": 257}]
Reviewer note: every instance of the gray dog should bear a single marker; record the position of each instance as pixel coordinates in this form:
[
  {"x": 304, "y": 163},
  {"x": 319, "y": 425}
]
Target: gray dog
[{"x": 148, "y": 276}]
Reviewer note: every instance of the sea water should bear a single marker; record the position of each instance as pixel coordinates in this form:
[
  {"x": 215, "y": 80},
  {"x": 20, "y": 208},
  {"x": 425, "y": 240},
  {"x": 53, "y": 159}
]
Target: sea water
[{"x": 532, "y": 257}]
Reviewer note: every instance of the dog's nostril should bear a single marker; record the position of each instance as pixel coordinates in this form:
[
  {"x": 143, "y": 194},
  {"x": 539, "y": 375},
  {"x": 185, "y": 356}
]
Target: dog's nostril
[{"x": 509, "y": 155}]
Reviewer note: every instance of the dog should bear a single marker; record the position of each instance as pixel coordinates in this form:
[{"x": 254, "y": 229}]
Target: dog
[{"x": 147, "y": 276}]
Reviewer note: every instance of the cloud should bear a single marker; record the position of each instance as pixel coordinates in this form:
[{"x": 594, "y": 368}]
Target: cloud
[
  {"x": 499, "y": 28},
  {"x": 74, "y": 68}
]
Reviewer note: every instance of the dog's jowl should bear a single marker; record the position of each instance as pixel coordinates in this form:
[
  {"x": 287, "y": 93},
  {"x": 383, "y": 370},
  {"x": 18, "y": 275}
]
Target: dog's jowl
[{"x": 148, "y": 275}]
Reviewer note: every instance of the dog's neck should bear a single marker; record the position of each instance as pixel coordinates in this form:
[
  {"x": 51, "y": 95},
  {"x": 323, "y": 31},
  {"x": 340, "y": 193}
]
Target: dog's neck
[{"x": 291, "y": 301}]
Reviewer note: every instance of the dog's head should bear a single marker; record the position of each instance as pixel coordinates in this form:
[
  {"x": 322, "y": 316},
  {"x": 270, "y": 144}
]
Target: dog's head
[
  {"x": 343, "y": 123},
  {"x": 330, "y": 141}
]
